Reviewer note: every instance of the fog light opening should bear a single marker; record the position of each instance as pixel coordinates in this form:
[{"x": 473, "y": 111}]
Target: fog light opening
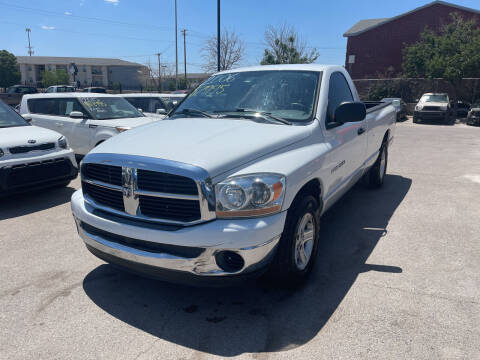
[{"x": 229, "y": 261}]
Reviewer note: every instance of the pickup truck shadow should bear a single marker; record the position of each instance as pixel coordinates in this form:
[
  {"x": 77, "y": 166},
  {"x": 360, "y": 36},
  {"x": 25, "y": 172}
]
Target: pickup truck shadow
[
  {"x": 258, "y": 318},
  {"x": 31, "y": 202}
]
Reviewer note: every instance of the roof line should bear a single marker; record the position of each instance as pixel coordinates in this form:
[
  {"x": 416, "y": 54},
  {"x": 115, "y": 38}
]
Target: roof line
[{"x": 346, "y": 34}]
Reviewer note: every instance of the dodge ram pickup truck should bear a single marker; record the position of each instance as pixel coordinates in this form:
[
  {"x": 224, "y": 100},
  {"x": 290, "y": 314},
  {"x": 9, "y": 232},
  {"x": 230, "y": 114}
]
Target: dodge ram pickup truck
[{"x": 234, "y": 181}]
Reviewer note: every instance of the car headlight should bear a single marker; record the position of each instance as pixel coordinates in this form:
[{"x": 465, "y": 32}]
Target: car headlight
[
  {"x": 1, "y": 153},
  {"x": 121, "y": 129},
  {"x": 62, "y": 142},
  {"x": 418, "y": 107},
  {"x": 443, "y": 108},
  {"x": 250, "y": 195}
]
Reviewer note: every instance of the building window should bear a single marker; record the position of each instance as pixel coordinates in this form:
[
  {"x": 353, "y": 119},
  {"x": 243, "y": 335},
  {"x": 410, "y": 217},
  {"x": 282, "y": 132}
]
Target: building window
[{"x": 84, "y": 69}]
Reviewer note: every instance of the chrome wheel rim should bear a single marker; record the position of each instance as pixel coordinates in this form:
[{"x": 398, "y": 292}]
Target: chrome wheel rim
[
  {"x": 304, "y": 241},
  {"x": 383, "y": 163}
]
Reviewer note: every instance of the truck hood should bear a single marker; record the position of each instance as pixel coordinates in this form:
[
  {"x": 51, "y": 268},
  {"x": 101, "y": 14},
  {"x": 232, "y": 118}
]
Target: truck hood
[
  {"x": 19, "y": 136},
  {"x": 127, "y": 122},
  {"x": 216, "y": 145}
]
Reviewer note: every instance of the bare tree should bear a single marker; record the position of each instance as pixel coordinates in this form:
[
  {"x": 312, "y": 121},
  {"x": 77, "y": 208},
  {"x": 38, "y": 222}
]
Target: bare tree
[
  {"x": 232, "y": 51},
  {"x": 285, "y": 46}
]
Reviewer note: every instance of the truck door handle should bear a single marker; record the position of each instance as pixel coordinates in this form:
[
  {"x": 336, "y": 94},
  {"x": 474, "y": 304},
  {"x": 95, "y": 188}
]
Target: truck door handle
[
  {"x": 92, "y": 126},
  {"x": 360, "y": 131}
]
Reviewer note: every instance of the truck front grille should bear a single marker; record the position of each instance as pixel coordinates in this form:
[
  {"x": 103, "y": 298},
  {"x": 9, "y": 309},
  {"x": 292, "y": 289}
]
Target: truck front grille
[
  {"x": 104, "y": 173},
  {"x": 431, "y": 108},
  {"x": 104, "y": 196},
  {"x": 26, "y": 149},
  {"x": 143, "y": 194}
]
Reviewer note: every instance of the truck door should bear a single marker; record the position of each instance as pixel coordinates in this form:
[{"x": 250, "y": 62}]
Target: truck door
[{"x": 348, "y": 141}]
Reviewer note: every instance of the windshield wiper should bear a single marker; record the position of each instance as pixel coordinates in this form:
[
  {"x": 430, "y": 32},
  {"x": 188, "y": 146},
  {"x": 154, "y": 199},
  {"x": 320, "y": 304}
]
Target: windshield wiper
[
  {"x": 189, "y": 111},
  {"x": 263, "y": 114}
]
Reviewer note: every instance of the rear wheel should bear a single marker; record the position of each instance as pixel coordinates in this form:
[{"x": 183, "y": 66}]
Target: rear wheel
[
  {"x": 376, "y": 175},
  {"x": 298, "y": 245}
]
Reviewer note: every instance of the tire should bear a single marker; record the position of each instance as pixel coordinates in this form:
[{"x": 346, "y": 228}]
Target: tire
[
  {"x": 376, "y": 174},
  {"x": 289, "y": 267}
]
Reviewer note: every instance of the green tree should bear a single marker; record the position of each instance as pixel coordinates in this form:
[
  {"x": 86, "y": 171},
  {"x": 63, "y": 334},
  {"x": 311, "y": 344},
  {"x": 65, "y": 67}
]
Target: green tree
[
  {"x": 57, "y": 77},
  {"x": 9, "y": 73},
  {"x": 452, "y": 54},
  {"x": 286, "y": 47}
]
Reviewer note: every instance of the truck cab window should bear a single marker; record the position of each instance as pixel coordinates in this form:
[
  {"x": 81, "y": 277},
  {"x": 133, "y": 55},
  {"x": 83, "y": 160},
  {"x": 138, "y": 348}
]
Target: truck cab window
[{"x": 338, "y": 92}]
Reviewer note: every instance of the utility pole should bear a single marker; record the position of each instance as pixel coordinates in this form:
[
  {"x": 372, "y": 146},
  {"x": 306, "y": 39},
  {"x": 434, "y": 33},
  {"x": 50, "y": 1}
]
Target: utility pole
[
  {"x": 218, "y": 35},
  {"x": 30, "y": 51},
  {"x": 159, "y": 73},
  {"x": 184, "y": 32},
  {"x": 176, "y": 48}
]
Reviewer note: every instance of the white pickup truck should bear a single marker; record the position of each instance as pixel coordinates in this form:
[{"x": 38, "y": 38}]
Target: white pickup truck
[
  {"x": 234, "y": 182},
  {"x": 85, "y": 119}
]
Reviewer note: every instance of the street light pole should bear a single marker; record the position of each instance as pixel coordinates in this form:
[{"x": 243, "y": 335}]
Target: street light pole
[
  {"x": 30, "y": 51},
  {"x": 184, "y": 32},
  {"x": 176, "y": 48},
  {"x": 159, "y": 73},
  {"x": 218, "y": 35}
]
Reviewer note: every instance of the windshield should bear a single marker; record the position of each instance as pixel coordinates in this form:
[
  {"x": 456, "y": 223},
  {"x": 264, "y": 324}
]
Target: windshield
[
  {"x": 435, "y": 98},
  {"x": 104, "y": 108},
  {"x": 288, "y": 95},
  {"x": 147, "y": 104},
  {"x": 9, "y": 118}
]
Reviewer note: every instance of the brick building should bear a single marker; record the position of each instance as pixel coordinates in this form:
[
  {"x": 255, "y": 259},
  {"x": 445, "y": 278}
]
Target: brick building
[{"x": 374, "y": 46}]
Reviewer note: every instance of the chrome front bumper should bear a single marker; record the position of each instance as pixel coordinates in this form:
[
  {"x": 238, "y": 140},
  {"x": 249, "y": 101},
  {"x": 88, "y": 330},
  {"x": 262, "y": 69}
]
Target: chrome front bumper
[{"x": 255, "y": 240}]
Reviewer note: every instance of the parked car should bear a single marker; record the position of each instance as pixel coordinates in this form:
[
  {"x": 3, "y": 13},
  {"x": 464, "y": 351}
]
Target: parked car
[
  {"x": 31, "y": 157},
  {"x": 14, "y": 94},
  {"x": 173, "y": 99},
  {"x": 236, "y": 180},
  {"x": 86, "y": 119},
  {"x": 473, "y": 117},
  {"x": 399, "y": 105},
  {"x": 60, "y": 89},
  {"x": 462, "y": 108},
  {"x": 95, "y": 89},
  {"x": 150, "y": 104},
  {"x": 433, "y": 106}
]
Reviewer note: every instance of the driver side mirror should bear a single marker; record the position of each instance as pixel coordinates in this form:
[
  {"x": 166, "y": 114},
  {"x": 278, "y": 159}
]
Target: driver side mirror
[
  {"x": 76, "y": 115},
  {"x": 350, "y": 112},
  {"x": 161, "y": 112}
]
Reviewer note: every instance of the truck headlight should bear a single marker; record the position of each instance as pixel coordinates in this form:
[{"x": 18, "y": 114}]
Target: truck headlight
[
  {"x": 62, "y": 142},
  {"x": 250, "y": 195},
  {"x": 418, "y": 107},
  {"x": 443, "y": 108}
]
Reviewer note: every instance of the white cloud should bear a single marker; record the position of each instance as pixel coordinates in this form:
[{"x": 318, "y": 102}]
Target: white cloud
[
  {"x": 68, "y": 13},
  {"x": 114, "y": 2},
  {"x": 45, "y": 27}
]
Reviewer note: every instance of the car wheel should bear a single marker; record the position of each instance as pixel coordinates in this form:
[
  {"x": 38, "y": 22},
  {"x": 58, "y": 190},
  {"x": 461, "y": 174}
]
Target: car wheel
[
  {"x": 298, "y": 244},
  {"x": 376, "y": 175}
]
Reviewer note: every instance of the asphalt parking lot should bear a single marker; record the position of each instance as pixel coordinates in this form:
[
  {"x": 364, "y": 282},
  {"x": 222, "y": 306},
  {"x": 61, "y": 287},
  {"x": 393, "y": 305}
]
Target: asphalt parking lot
[{"x": 398, "y": 276}]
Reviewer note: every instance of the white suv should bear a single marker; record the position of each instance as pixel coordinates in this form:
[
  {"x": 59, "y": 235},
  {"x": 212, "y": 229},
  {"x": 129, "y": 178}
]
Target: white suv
[
  {"x": 85, "y": 119},
  {"x": 31, "y": 157}
]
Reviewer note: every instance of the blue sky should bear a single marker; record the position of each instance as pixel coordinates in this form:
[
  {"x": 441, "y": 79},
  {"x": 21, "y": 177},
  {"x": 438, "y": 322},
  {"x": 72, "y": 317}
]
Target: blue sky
[{"x": 136, "y": 29}]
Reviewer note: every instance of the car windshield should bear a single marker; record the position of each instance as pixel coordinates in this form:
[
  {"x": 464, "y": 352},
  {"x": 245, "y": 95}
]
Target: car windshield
[
  {"x": 389, "y": 99},
  {"x": 287, "y": 95},
  {"x": 104, "y": 108},
  {"x": 12, "y": 90},
  {"x": 65, "y": 89},
  {"x": 9, "y": 118},
  {"x": 435, "y": 98},
  {"x": 147, "y": 104}
]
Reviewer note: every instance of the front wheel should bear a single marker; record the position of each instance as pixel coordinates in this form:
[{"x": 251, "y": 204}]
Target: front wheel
[
  {"x": 298, "y": 245},
  {"x": 376, "y": 175}
]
